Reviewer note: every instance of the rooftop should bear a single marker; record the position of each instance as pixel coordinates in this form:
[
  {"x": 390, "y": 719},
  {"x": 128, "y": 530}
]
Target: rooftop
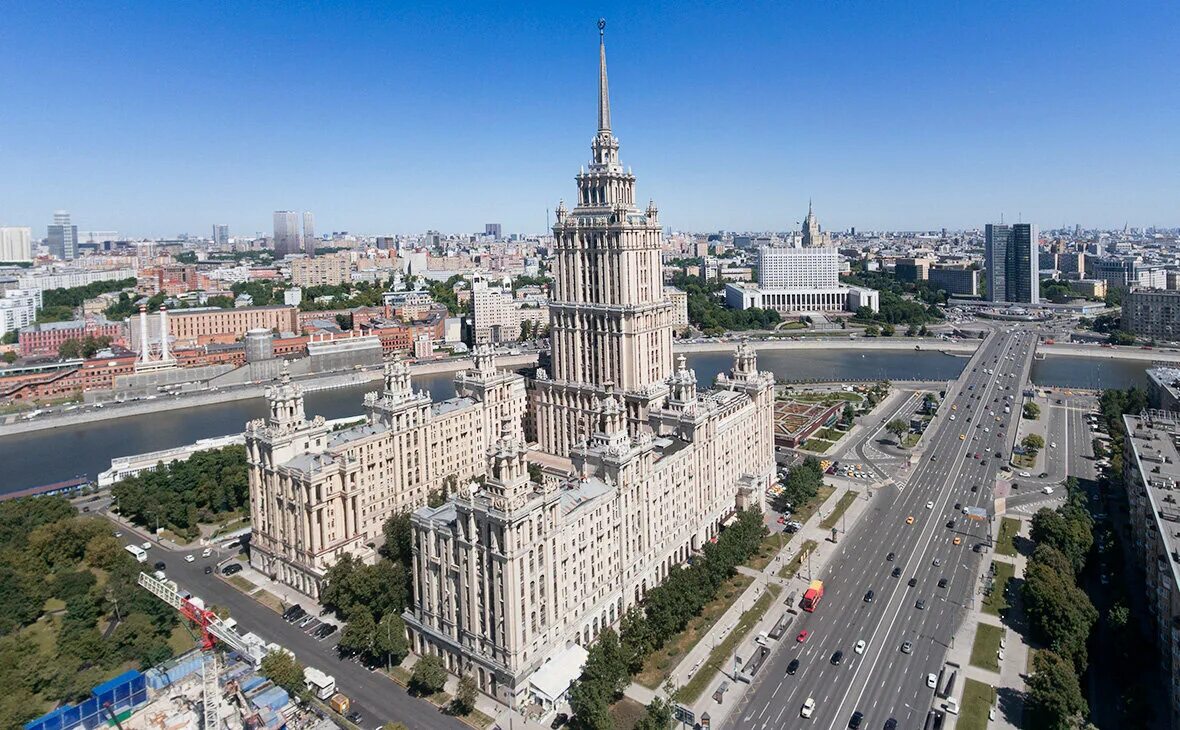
[{"x": 1154, "y": 437}]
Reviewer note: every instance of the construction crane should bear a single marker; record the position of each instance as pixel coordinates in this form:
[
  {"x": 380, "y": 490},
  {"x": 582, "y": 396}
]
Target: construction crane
[{"x": 213, "y": 629}]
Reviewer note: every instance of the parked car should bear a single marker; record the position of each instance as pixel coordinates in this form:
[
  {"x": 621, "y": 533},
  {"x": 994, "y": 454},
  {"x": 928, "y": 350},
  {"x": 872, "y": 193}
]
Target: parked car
[{"x": 231, "y": 569}]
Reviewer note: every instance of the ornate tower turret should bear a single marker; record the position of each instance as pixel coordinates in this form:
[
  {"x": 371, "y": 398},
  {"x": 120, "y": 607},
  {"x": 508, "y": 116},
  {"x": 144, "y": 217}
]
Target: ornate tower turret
[
  {"x": 508, "y": 473},
  {"x": 397, "y": 381},
  {"x": 286, "y": 404},
  {"x": 683, "y": 384},
  {"x": 745, "y": 363}
]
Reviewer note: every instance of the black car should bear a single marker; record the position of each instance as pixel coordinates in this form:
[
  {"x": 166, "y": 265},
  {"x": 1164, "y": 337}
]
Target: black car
[
  {"x": 355, "y": 718},
  {"x": 231, "y": 569},
  {"x": 208, "y": 569},
  {"x": 913, "y": 582},
  {"x": 896, "y": 573},
  {"x": 942, "y": 582},
  {"x": 326, "y": 630},
  {"x": 958, "y": 506},
  {"x": 159, "y": 565},
  {"x": 920, "y": 605},
  {"x": 837, "y": 657},
  {"x": 294, "y": 613},
  {"x": 891, "y": 724},
  {"x": 891, "y": 556},
  {"x": 869, "y": 597},
  {"x": 856, "y": 719},
  {"x": 950, "y": 524},
  {"x": 560, "y": 720},
  {"x": 793, "y": 666},
  {"x": 974, "y": 487}
]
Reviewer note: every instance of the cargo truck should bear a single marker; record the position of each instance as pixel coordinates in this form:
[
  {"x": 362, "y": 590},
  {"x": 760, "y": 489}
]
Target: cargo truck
[
  {"x": 813, "y": 594},
  {"x": 320, "y": 684},
  {"x": 339, "y": 703}
]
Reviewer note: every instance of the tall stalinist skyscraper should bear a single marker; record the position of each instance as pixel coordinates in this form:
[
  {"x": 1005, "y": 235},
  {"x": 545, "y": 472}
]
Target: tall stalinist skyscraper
[{"x": 611, "y": 323}]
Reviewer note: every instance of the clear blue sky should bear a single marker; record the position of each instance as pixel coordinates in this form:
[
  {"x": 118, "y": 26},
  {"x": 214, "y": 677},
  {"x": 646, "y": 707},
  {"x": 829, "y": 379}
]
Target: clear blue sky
[{"x": 159, "y": 118}]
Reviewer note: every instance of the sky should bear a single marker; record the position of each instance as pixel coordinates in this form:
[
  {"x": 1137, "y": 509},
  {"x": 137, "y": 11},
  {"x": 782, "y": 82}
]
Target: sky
[{"x": 154, "y": 119}]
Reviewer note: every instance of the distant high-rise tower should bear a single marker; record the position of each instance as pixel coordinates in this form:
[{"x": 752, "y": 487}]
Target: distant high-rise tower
[
  {"x": 63, "y": 236},
  {"x": 1013, "y": 263},
  {"x": 308, "y": 233},
  {"x": 220, "y": 234},
  {"x": 286, "y": 233},
  {"x": 492, "y": 229},
  {"x": 812, "y": 236},
  {"x": 16, "y": 243}
]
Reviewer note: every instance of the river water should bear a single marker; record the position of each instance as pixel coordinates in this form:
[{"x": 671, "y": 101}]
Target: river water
[{"x": 44, "y": 457}]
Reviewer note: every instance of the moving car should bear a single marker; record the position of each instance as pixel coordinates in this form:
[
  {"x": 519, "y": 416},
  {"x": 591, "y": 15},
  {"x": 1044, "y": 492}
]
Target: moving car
[
  {"x": 942, "y": 582},
  {"x": 189, "y": 558},
  {"x": 909, "y": 520},
  {"x": 856, "y": 719},
  {"x": 802, "y": 637},
  {"x": 907, "y": 648},
  {"x": 929, "y": 505},
  {"x": 860, "y": 647},
  {"x": 808, "y": 707},
  {"x": 208, "y": 569},
  {"x": 891, "y": 556},
  {"x": 793, "y": 666},
  {"x": 920, "y": 605},
  {"x": 957, "y": 540},
  {"x": 837, "y": 657},
  {"x": 931, "y": 680},
  {"x": 869, "y": 597},
  {"x": 896, "y": 573},
  {"x": 912, "y": 582}
]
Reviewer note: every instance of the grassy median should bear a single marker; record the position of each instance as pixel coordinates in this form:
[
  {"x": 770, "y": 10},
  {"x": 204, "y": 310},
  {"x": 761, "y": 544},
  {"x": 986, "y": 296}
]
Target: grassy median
[
  {"x": 996, "y": 602},
  {"x": 790, "y": 569},
  {"x": 1005, "y": 544},
  {"x": 987, "y": 643},
  {"x": 841, "y": 507},
  {"x": 720, "y": 656},
  {"x": 978, "y": 699}
]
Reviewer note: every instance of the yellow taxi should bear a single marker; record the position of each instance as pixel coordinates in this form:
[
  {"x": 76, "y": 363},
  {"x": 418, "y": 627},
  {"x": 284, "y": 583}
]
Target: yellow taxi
[
  {"x": 958, "y": 540},
  {"x": 909, "y": 520},
  {"x": 962, "y": 437},
  {"x": 955, "y": 407}
]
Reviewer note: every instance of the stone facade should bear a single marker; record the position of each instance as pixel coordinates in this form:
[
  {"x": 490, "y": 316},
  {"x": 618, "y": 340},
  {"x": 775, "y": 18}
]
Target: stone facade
[
  {"x": 510, "y": 573},
  {"x": 316, "y": 494}
]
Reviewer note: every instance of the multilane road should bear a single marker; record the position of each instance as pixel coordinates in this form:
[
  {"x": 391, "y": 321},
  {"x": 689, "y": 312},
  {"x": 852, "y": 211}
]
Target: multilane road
[{"x": 958, "y": 468}]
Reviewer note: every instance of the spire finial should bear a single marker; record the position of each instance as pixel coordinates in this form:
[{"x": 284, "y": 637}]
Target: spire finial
[{"x": 603, "y": 91}]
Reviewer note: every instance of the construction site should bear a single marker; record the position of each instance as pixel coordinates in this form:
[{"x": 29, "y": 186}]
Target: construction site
[{"x": 217, "y": 686}]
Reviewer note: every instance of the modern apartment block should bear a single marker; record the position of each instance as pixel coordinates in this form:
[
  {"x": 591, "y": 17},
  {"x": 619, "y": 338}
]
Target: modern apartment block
[
  {"x": 1151, "y": 464},
  {"x": 62, "y": 237},
  {"x": 958, "y": 281},
  {"x": 1013, "y": 264},
  {"x": 317, "y": 494},
  {"x": 1152, "y": 313},
  {"x": 286, "y": 233},
  {"x": 645, "y": 469},
  {"x": 16, "y": 243},
  {"x": 329, "y": 269}
]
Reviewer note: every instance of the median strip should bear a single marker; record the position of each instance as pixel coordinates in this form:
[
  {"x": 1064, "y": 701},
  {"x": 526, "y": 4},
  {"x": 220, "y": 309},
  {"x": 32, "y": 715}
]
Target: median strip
[
  {"x": 841, "y": 506},
  {"x": 791, "y": 568}
]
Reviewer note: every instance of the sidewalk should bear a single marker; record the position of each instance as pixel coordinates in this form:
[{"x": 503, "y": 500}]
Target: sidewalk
[
  {"x": 1009, "y": 682},
  {"x": 694, "y": 661}
]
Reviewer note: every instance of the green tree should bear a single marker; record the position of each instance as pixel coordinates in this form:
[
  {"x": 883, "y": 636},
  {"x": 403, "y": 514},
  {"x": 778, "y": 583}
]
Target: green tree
[
  {"x": 464, "y": 701},
  {"x": 1121, "y": 337},
  {"x": 888, "y": 330},
  {"x": 1033, "y": 442},
  {"x": 1054, "y": 693},
  {"x": 359, "y": 635},
  {"x": 591, "y": 706},
  {"x": 9, "y": 356},
  {"x": 11, "y": 337},
  {"x": 71, "y": 349},
  {"x": 872, "y": 330},
  {"x": 658, "y": 717},
  {"x": 1032, "y": 411},
  {"x": 285, "y": 671},
  {"x": 398, "y": 533},
  {"x": 849, "y": 414},
  {"x": 429, "y": 676},
  {"x": 389, "y": 639},
  {"x": 1099, "y": 448},
  {"x": 897, "y": 427}
]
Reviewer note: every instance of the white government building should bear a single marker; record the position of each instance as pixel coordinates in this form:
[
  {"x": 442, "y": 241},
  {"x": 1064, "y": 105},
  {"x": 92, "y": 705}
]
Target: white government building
[
  {"x": 798, "y": 279},
  {"x": 514, "y": 578}
]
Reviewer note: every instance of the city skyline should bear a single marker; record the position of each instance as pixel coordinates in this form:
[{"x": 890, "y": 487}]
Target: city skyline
[{"x": 426, "y": 121}]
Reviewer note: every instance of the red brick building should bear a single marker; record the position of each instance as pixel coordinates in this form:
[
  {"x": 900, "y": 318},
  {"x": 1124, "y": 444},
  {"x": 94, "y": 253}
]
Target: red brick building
[{"x": 45, "y": 339}]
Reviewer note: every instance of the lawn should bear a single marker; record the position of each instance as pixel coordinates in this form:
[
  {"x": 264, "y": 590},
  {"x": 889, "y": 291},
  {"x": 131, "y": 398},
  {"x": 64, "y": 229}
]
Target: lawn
[
  {"x": 804, "y": 513},
  {"x": 627, "y": 713},
  {"x": 1009, "y": 526},
  {"x": 790, "y": 569},
  {"x": 830, "y": 434},
  {"x": 657, "y": 666},
  {"x": 842, "y": 506},
  {"x": 241, "y": 584},
  {"x": 181, "y": 640},
  {"x": 818, "y": 446},
  {"x": 978, "y": 698},
  {"x": 771, "y": 545},
  {"x": 816, "y": 397},
  {"x": 1024, "y": 461},
  {"x": 719, "y": 657},
  {"x": 268, "y": 599},
  {"x": 996, "y": 602},
  {"x": 910, "y": 440},
  {"x": 987, "y": 643}
]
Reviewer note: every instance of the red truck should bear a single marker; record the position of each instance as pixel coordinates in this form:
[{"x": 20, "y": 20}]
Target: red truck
[{"x": 812, "y": 595}]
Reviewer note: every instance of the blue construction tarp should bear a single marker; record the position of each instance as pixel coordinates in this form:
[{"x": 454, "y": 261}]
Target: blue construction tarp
[{"x": 121, "y": 694}]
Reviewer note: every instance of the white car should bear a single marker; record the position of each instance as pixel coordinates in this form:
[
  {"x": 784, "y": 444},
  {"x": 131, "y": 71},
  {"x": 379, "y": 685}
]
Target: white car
[
  {"x": 206, "y": 552},
  {"x": 931, "y": 680},
  {"x": 189, "y": 558},
  {"x": 929, "y": 505},
  {"x": 1024, "y": 474},
  {"x": 1047, "y": 490},
  {"x": 146, "y": 546},
  {"x": 808, "y": 707},
  {"x": 860, "y": 647},
  {"x": 1053, "y": 445}
]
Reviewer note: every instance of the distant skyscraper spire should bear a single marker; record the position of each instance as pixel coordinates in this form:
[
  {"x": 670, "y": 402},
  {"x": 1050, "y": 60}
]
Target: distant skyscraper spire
[{"x": 603, "y": 90}]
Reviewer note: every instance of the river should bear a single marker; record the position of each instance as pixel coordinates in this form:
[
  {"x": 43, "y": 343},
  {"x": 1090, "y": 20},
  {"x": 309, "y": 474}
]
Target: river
[{"x": 43, "y": 457}]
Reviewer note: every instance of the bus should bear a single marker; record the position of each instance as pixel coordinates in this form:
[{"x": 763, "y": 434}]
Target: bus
[{"x": 139, "y": 553}]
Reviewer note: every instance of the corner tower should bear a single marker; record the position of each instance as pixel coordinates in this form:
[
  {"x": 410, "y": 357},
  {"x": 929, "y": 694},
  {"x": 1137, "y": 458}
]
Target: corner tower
[{"x": 611, "y": 323}]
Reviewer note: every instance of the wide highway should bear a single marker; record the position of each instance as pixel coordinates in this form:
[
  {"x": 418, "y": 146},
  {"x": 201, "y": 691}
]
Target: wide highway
[{"x": 957, "y": 468}]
